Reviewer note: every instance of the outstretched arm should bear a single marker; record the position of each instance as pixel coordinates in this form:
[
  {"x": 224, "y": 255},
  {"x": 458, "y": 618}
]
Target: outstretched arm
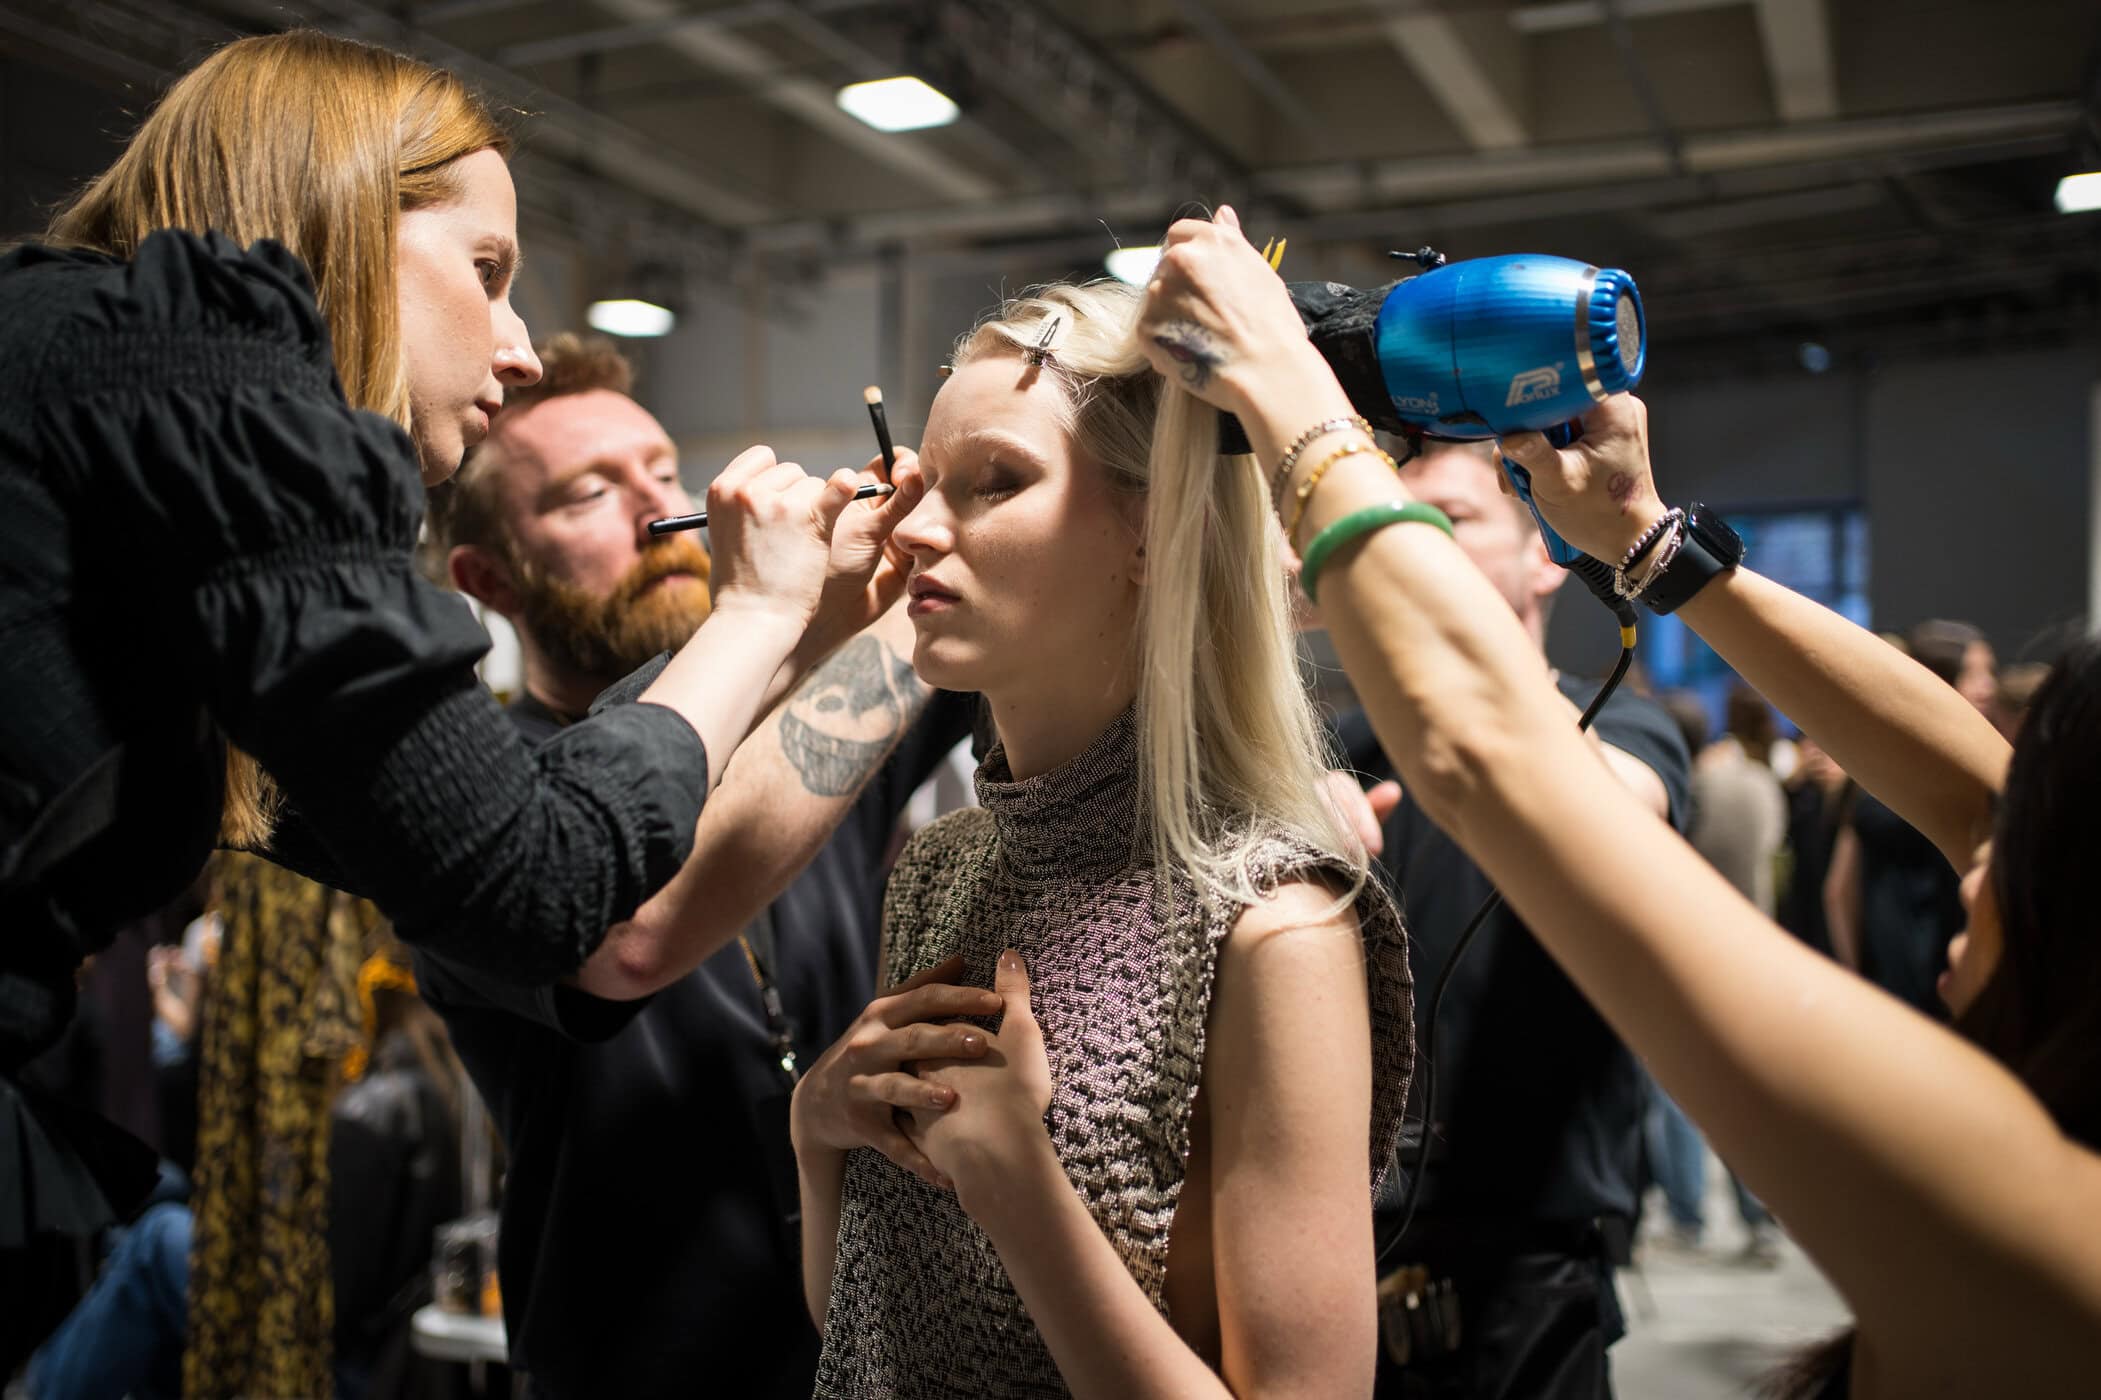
[
  {"x": 1897, "y": 729},
  {"x": 1883, "y": 1140},
  {"x": 787, "y": 789}
]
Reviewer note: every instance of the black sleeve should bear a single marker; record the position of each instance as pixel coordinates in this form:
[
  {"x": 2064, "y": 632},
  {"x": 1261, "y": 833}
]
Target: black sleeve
[
  {"x": 199, "y": 407},
  {"x": 949, "y": 718},
  {"x": 556, "y": 1006},
  {"x": 1645, "y": 730}
]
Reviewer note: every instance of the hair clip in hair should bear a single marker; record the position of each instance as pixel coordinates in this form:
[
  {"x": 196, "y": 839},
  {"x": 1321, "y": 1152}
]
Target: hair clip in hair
[
  {"x": 1036, "y": 354},
  {"x": 943, "y": 371}
]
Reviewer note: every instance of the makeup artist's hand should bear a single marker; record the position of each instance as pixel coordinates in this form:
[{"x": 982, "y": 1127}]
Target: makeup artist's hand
[
  {"x": 865, "y": 577},
  {"x": 996, "y": 1116},
  {"x": 851, "y": 1096},
  {"x": 770, "y": 529}
]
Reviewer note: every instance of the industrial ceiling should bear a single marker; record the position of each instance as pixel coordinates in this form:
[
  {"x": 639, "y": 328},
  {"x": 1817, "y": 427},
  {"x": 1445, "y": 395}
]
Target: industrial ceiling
[{"x": 1863, "y": 173}]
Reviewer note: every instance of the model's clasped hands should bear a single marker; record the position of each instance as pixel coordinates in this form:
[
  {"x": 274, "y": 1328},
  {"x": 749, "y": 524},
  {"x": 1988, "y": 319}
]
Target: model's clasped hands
[
  {"x": 851, "y": 1096},
  {"x": 995, "y": 1100},
  {"x": 940, "y": 1096}
]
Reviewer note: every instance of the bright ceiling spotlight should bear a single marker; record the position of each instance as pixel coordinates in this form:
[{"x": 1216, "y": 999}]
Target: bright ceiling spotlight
[
  {"x": 1133, "y": 265},
  {"x": 630, "y": 317},
  {"x": 897, "y": 104},
  {"x": 2077, "y": 194}
]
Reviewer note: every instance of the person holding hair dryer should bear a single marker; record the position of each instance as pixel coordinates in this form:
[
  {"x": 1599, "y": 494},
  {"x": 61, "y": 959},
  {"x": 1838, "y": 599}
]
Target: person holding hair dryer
[{"x": 1939, "y": 1177}]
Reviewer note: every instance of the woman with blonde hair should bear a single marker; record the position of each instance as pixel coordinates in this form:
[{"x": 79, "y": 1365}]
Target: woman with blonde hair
[
  {"x": 230, "y": 370},
  {"x": 1155, "y": 1177}
]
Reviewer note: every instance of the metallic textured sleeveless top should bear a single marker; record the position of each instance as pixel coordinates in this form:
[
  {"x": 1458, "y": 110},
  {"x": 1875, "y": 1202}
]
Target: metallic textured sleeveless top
[{"x": 1121, "y": 983}]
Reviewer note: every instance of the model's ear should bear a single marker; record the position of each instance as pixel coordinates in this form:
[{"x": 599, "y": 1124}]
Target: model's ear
[{"x": 483, "y": 577}]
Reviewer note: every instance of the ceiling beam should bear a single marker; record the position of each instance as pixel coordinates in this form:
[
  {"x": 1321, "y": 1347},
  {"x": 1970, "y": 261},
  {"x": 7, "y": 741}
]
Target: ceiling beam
[
  {"x": 1472, "y": 191},
  {"x": 1582, "y": 14},
  {"x": 1357, "y": 184},
  {"x": 1059, "y": 77},
  {"x": 1797, "y": 39},
  {"x": 96, "y": 55},
  {"x": 1460, "y": 70},
  {"x": 1263, "y": 78},
  {"x": 720, "y": 49},
  {"x": 589, "y": 138}
]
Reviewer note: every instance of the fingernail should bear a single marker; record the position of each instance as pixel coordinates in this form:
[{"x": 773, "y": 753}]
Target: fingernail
[
  {"x": 1010, "y": 960},
  {"x": 973, "y": 1043},
  {"x": 942, "y": 1096}
]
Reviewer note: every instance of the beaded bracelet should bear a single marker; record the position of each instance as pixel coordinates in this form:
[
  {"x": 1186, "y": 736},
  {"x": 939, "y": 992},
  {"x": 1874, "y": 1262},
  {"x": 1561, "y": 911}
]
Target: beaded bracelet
[
  {"x": 1650, "y": 536},
  {"x": 1659, "y": 530},
  {"x": 1359, "y": 523},
  {"x": 1305, "y": 491},
  {"x": 1305, "y": 440}
]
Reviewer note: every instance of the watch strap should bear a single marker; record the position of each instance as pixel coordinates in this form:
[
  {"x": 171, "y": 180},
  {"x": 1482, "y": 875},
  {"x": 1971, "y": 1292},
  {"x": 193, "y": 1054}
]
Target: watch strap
[{"x": 1709, "y": 548}]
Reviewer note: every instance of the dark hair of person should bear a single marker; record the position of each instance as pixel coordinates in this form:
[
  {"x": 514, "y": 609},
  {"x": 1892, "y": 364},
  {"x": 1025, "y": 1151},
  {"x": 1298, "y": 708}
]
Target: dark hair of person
[
  {"x": 1689, "y": 712},
  {"x": 1940, "y": 646},
  {"x": 1750, "y": 721},
  {"x": 2039, "y": 1013},
  {"x": 463, "y": 510}
]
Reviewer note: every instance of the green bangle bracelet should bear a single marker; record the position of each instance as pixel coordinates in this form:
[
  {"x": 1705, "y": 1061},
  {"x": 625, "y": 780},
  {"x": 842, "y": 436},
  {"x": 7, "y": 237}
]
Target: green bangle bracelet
[{"x": 1363, "y": 522}]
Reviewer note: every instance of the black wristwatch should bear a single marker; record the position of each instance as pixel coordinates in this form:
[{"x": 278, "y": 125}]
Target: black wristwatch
[{"x": 1709, "y": 547}]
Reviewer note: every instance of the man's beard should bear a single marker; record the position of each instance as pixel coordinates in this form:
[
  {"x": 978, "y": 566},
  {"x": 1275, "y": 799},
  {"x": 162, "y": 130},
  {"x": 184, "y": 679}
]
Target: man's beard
[{"x": 605, "y": 638}]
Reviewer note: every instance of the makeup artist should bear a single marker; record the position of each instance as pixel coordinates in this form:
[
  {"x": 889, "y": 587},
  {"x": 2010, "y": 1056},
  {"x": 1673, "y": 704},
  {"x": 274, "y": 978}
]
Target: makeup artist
[
  {"x": 213, "y": 452},
  {"x": 649, "y": 1244}
]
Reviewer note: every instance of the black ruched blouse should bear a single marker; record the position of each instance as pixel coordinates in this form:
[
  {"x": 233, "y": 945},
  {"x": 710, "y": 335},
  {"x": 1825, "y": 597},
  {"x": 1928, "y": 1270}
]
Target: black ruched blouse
[{"x": 199, "y": 536}]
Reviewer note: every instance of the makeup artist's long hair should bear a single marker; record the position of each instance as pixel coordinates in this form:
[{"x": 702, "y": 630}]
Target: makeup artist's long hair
[
  {"x": 1229, "y": 750},
  {"x": 321, "y": 144}
]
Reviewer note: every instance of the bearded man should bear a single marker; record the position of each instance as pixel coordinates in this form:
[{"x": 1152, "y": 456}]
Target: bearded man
[{"x": 649, "y": 1234}]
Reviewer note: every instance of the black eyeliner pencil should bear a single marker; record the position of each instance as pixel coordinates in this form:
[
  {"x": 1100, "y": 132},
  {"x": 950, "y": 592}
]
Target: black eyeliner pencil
[
  {"x": 699, "y": 520},
  {"x": 874, "y": 396}
]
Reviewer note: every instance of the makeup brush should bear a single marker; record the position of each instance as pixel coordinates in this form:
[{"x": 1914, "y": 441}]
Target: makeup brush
[
  {"x": 874, "y": 396},
  {"x": 699, "y": 520}
]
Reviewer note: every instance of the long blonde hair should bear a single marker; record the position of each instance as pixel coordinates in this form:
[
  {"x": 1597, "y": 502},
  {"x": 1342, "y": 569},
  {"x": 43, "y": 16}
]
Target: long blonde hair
[
  {"x": 321, "y": 144},
  {"x": 1229, "y": 752}
]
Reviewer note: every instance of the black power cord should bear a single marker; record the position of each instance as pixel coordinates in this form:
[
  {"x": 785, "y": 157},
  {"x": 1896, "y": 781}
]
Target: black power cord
[{"x": 1428, "y": 1047}]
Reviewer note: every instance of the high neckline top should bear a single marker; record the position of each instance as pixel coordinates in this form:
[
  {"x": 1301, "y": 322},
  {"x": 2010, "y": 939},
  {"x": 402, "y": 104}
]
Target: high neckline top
[
  {"x": 1081, "y": 818},
  {"x": 1060, "y": 867}
]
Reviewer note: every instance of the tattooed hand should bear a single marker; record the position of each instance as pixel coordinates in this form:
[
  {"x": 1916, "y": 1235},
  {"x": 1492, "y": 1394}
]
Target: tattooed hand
[
  {"x": 1194, "y": 349},
  {"x": 1597, "y": 492},
  {"x": 1216, "y": 319}
]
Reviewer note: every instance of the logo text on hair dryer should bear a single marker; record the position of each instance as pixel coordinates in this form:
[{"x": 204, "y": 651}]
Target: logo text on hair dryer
[
  {"x": 1534, "y": 385},
  {"x": 1425, "y": 404}
]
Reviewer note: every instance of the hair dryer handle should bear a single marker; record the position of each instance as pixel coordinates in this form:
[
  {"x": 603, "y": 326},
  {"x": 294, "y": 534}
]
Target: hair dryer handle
[
  {"x": 1558, "y": 549},
  {"x": 1595, "y": 575}
]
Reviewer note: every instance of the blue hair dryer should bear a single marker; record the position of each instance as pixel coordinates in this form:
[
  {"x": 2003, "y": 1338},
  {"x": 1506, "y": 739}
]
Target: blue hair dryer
[{"x": 1475, "y": 349}]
